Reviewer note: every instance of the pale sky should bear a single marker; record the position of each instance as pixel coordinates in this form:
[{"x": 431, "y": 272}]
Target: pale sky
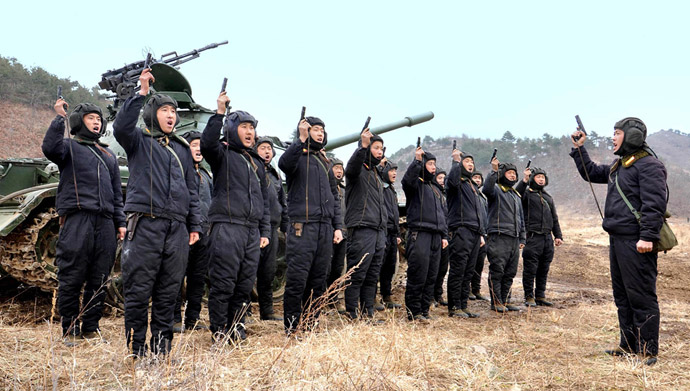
[{"x": 481, "y": 67}]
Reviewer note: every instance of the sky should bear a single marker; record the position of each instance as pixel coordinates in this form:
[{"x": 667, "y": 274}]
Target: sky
[{"x": 482, "y": 67}]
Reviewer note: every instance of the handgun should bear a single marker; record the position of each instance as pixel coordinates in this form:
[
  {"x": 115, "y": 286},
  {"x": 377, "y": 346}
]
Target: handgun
[
  {"x": 59, "y": 96},
  {"x": 455, "y": 145},
  {"x": 494, "y": 155},
  {"x": 304, "y": 111},
  {"x": 528, "y": 163},
  {"x": 419, "y": 142},
  {"x": 580, "y": 127},
  {"x": 222, "y": 89},
  {"x": 147, "y": 63},
  {"x": 366, "y": 124},
  {"x": 384, "y": 152}
]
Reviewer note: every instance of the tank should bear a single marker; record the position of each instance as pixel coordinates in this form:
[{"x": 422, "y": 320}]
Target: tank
[{"x": 28, "y": 219}]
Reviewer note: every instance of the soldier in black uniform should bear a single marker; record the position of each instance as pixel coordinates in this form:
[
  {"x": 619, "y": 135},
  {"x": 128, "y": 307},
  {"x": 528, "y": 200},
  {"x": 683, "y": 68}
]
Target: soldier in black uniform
[
  {"x": 476, "y": 282},
  {"x": 279, "y": 220},
  {"x": 427, "y": 235},
  {"x": 197, "y": 262},
  {"x": 340, "y": 248},
  {"x": 541, "y": 222},
  {"x": 440, "y": 178},
  {"x": 639, "y": 176},
  {"x": 506, "y": 233},
  {"x": 315, "y": 220},
  {"x": 89, "y": 203},
  {"x": 389, "y": 173},
  {"x": 466, "y": 231},
  {"x": 239, "y": 216},
  {"x": 366, "y": 220},
  {"x": 164, "y": 217}
]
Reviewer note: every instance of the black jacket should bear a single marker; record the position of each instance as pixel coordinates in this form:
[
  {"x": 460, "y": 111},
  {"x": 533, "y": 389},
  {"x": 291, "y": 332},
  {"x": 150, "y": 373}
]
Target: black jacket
[
  {"x": 205, "y": 192},
  {"x": 505, "y": 209},
  {"x": 276, "y": 197},
  {"x": 464, "y": 206},
  {"x": 98, "y": 180},
  {"x": 312, "y": 187},
  {"x": 365, "y": 204},
  {"x": 173, "y": 193},
  {"x": 391, "y": 198},
  {"x": 643, "y": 183},
  {"x": 539, "y": 211},
  {"x": 240, "y": 190},
  {"x": 425, "y": 205}
]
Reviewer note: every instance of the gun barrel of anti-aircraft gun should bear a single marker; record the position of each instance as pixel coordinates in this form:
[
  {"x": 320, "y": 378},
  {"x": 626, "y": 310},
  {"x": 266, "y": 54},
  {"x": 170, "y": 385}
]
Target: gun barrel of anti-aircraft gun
[{"x": 407, "y": 121}]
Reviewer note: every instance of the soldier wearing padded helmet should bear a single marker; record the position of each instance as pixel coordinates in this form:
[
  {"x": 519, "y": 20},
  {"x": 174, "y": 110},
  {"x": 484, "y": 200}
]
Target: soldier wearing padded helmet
[
  {"x": 543, "y": 233},
  {"x": 641, "y": 179},
  {"x": 89, "y": 203},
  {"x": 239, "y": 214},
  {"x": 163, "y": 213},
  {"x": 506, "y": 232}
]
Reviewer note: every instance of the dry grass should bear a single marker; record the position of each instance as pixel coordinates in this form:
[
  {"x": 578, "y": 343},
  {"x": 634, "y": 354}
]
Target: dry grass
[{"x": 553, "y": 349}]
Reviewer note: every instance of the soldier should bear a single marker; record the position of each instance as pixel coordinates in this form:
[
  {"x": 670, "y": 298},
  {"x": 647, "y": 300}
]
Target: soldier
[
  {"x": 440, "y": 178},
  {"x": 239, "y": 216},
  {"x": 198, "y": 258},
  {"x": 340, "y": 248},
  {"x": 427, "y": 235},
  {"x": 89, "y": 203},
  {"x": 279, "y": 220},
  {"x": 315, "y": 220},
  {"x": 466, "y": 232},
  {"x": 541, "y": 222},
  {"x": 638, "y": 176},
  {"x": 476, "y": 282},
  {"x": 366, "y": 218},
  {"x": 389, "y": 173},
  {"x": 506, "y": 232},
  {"x": 164, "y": 217}
]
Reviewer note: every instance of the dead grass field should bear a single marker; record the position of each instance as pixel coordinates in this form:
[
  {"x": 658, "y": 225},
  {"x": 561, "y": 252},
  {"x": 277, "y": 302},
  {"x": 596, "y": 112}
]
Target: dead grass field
[{"x": 542, "y": 349}]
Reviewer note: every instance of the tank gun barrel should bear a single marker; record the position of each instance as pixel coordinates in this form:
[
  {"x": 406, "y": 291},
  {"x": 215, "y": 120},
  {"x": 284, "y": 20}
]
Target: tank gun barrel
[{"x": 407, "y": 121}]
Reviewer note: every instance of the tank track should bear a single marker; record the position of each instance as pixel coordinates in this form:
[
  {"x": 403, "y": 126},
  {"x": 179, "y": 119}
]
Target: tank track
[{"x": 18, "y": 253}]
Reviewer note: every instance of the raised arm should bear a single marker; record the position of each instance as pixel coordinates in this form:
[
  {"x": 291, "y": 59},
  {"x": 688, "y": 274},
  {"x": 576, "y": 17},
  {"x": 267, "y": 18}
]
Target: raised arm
[
  {"x": 125, "y": 127},
  {"x": 54, "y": 147},
  {"x": 211, "y": 147}
]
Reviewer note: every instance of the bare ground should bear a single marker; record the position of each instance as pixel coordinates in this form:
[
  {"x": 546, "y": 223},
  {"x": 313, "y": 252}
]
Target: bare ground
[{"x": 541, "y": 349}]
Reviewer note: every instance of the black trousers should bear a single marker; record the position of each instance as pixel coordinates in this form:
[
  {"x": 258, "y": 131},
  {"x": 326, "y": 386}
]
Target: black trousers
[
  {"x": 232, "y": 272},
  {"x": 85, "y": 254},
  {"x": 390, "y": 258},
  {"x": 266, "y": 274},
  {"x": 633, "y": 277},
  {"x": 360, "y": 292},
  {"x": 478, "y": 269},
  {"x": 423, "y": 256},
  {"x": 504, "y": 256},
  {"x": 442, "y": 271},
  {"x": 308, "y": 257},
  {"x": 153, "y": 265},
  {"x": 536, "y": 261},
  {"x": 337, "y": 265},
  {"x": 464, "y": 247},
  {"x": 197, "y": 270}
]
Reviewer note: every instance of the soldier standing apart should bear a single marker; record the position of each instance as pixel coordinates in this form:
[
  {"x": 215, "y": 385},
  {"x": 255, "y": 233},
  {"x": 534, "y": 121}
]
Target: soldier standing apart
[
  {"x": 506, "y": 232},
  {"x": 440, "y": 178},
  {"x": 315, "y": 220},
  {"x": 389, "y": 173},
  {"x": 197, "y": 262},
  {"x": 163, "y": 216},
  {"x": 340, "y": 248},
  {"x": 89, "y": 203},
  {"x": 427, "y": 235},
  {"x": 239, "y": 216},
  {"x": 641, "y": 177},
  {"x": 366, "y": 220},
  {"x": 279, "y": 219},
  {"x": 476, "y": 282},
  {"x": 466, "y": 233},
  {"x": 541, "y": 221}
]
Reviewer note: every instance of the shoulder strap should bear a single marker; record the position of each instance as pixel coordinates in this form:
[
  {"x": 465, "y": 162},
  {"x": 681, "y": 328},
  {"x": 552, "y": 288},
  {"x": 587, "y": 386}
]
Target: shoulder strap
[
  {"x": 98, "y": 156},
  {"x": 179, "y": 163},
  {"x": 637, "y": 214}
]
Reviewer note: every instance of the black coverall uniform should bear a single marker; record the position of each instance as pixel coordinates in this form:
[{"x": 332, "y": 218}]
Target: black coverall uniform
[
  {"x": 390, "y": 256},
  {"x": 87, "y": 241},
  {"x": 314, "y": 214},
  {"x": 239, "y": 216},
  {"x": 506, "y": 232},
  {"x": 199, "y": 252},
  {"x": 163, "y": 206},
  {"x": 476, "y": 283},
  {"x": 541, "y": 221},
  {"x": 426, "y": 219},
  {"x": 633, "y": 275},
  {"x": 466, "y": 228},
  {"x": 339, "y": 249}
]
